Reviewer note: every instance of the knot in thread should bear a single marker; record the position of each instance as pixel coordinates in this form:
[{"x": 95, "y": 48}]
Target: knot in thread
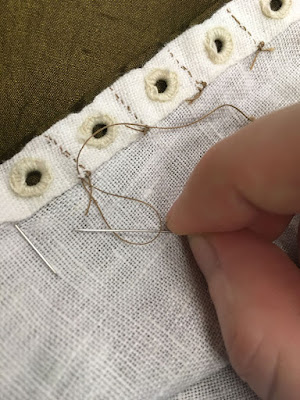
[{"x": 260, "y": 48}]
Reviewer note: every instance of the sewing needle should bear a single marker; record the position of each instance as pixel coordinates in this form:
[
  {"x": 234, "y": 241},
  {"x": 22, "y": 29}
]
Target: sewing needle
[
  {"x": 35, "y": 249},
  {"x": 123, "y": 230}
]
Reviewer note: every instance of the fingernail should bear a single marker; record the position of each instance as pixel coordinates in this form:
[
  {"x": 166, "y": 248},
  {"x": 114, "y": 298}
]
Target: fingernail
[{"x": 205, "y": 255}]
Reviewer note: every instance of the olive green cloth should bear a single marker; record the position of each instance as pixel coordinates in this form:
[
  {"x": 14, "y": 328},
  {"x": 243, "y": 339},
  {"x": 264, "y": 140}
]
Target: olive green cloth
[{"x": 56, "y": 55}]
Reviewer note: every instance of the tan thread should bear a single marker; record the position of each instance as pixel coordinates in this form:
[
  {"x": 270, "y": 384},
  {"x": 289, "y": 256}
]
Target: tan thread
[
  {"x": 258, "y": 51},
  {"x": 128, "y": 108},
  {"x": 181, "y": 66},
  {"x": 171, "y": 79},
  {"x": 86, "y": 129},
  {"x": 198, "y": 94},
  {"x": 241, "y": 26},
  {"x": 20, "y": 171},
  {"x": 86, "y": 180},
  {"x": 222, "y": 34},
  {"x": 279, "y": 14},
  {"x": 63, "y": 152},
  {"x": 199, "y": 89}
]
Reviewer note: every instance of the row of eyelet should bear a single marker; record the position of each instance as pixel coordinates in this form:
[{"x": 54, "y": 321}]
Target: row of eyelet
[{"x": 31, "y": 177}]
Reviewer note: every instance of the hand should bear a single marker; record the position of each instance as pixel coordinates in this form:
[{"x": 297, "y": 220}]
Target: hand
[{"x": 240, "y": 197}]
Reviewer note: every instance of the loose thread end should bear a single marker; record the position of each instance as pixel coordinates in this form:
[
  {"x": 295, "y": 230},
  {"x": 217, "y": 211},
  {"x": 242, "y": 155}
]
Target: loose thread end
[{"x": 260, "y": 48}]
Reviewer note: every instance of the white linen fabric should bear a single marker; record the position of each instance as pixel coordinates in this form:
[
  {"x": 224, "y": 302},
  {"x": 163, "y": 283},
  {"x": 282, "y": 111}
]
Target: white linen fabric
[
  {"x": 122, "y": 321},
  {"x": 127, "y": 99}
]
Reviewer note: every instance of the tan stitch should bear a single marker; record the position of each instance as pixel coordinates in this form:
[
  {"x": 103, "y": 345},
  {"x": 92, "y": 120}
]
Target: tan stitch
[
  {"x": 63, "y": 152},
  {"x": 185, "y": 69},
  {"x": 198, "y": 94},
  {"x": 127, "y": 106},
  {"x": 240, "y": 25},
  {"x": 182, "y": 66},
  {"x": 188, "y": 71}
]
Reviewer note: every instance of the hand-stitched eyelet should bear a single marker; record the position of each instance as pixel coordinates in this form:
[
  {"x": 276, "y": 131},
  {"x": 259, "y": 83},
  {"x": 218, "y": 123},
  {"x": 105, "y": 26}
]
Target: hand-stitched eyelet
[
  {"x": 219, "y": 45},
  {"x": 161, "y": 85},
  {"x": 30, "y": 177},
  {"x": 95, "y": 123},
  {"x": 276, "y": 9}
]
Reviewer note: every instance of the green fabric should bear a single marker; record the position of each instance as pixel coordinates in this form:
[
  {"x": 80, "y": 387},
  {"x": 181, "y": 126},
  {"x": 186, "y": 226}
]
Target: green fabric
[{"x": 56, "y": 55}]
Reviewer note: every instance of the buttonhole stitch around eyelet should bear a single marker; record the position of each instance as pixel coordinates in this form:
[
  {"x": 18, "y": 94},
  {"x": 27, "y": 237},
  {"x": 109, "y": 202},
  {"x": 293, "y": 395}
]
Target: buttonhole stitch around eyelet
[
  {"x": 30, "y": 177},
  {"x": 275, "y": 9},
  {"x": 219, "y": 45},
  {"x": 161, "y": 85},
  {"x": 93, "y": 124}
]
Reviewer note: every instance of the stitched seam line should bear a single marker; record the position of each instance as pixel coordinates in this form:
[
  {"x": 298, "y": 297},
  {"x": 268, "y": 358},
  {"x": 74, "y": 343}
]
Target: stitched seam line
[
  {"x": 185, "y": 69},
  {"x": 128, "y": 108},
  {"x": 241, "y": 26},
  {"x": 63, "y": 152}
]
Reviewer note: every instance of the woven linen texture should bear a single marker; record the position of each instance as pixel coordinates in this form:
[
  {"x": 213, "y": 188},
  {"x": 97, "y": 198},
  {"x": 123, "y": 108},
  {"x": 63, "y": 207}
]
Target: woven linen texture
[
  {"x": 56, "y": 56},
  {"x": 120, "y": 321},
  {"x": 127, "y": 100}
]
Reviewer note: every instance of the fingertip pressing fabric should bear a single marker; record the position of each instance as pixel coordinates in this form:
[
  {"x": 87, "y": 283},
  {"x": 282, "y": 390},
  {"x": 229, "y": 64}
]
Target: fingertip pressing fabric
[{"x": 130, "y": 322}]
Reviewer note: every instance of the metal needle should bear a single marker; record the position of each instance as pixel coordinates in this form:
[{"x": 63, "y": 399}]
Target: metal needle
[
  {"x": 123, "y": 230},
  {"x": 35, "y": 249}
]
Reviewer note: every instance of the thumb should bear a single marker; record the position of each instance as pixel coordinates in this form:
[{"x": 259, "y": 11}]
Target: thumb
[{"x": 255, "y": 289}]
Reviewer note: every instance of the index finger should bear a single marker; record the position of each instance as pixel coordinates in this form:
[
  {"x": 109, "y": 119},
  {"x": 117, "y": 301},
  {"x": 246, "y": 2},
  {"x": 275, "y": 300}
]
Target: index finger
[{"x": 253, "y": 172}]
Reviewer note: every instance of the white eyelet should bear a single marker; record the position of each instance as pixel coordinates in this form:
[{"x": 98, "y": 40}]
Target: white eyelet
[
  {"x": 222, "y": 36},
  {"x": 169, "y": 82},
  {"x": 20, "y": 173},
  {"x": 87, "y": 129},
  {"x": 280, "y": 13}
]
